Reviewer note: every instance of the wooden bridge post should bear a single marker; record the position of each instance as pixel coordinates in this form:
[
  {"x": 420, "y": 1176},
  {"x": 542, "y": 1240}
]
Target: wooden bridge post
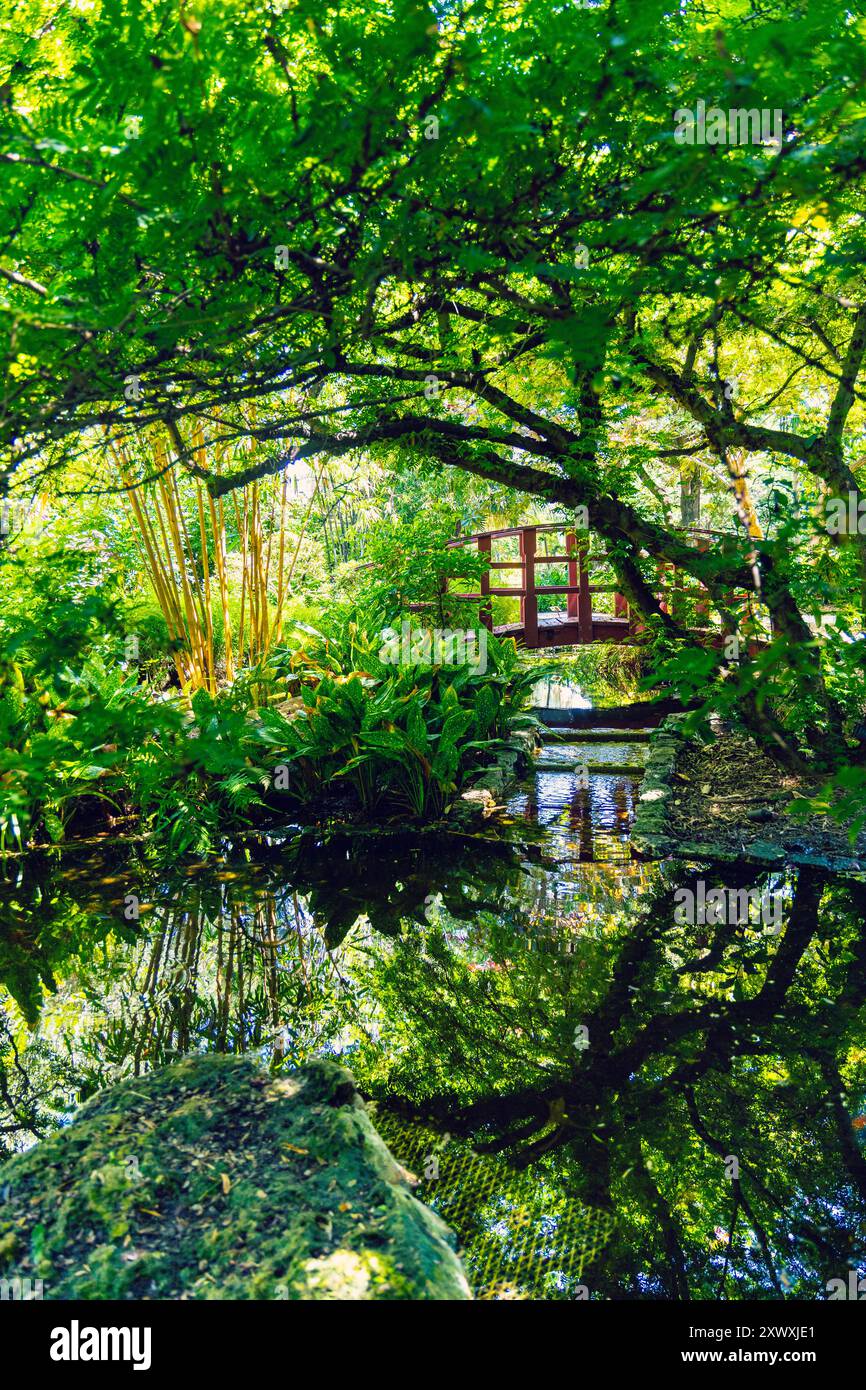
[
  {"x": 584, "y": 604},
  {"x": 529, "y": 598},
  {"x": 571, "y": 604},
  {"x": 483, "y": 544}
]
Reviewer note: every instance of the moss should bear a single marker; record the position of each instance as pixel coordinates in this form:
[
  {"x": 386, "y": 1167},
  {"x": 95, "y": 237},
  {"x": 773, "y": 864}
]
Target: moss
[{"x": 210, "y": 1180}]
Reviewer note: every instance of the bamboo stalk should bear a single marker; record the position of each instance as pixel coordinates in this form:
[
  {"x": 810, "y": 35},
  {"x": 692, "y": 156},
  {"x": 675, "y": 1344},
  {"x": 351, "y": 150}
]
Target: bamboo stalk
[
  {"x": 278, "y": 621},
  {"x": 219, "y": 531},
  {"x": 211, "y": 671},
  {"x": 174, "y": 551},
  {"x": 187, "y": 586},
  {"x": 218, "y": 521},
  {"x": 163, "y": 589},
  {"x": 242, "y": 531}
]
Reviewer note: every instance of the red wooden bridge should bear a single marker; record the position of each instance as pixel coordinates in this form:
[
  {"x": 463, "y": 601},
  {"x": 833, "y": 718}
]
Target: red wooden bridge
[{"x": 577, "y": 622}]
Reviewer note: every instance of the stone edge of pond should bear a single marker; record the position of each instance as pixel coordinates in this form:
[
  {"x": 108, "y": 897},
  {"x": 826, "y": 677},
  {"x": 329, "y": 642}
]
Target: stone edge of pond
[
  {"x": 652, "y": 836},
  {"x": 487, "y": 787},
  {"x": 211, "y": 1178}
]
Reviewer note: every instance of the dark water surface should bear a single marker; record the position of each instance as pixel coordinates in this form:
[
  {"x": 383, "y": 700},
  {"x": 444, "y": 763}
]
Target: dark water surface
[{"x": 526, "y": 989}]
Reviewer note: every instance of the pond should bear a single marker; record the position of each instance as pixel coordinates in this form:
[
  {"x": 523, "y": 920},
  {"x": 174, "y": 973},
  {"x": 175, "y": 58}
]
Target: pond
[{"x": 606, "y": 1099}]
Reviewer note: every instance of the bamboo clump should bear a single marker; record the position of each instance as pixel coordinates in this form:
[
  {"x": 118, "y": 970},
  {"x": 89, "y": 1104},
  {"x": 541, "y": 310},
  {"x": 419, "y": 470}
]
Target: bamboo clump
[{"x": 188, "y": 587}]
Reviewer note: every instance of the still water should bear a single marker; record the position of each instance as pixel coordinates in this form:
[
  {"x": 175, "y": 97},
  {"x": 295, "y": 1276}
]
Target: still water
[{"x": 524, "y": 990}]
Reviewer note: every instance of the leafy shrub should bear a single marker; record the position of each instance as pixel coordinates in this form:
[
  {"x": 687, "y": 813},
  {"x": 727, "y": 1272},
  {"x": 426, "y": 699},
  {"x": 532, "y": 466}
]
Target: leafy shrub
[{"x": 400, "y": 738}]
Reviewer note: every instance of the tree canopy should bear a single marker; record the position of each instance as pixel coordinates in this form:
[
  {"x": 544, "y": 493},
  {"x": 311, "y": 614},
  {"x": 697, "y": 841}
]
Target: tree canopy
[{"x": 467, "y": 235}]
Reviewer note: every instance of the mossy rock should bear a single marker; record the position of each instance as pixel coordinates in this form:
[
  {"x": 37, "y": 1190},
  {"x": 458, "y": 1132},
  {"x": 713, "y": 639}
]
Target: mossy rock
[{"x": 211, "y": 1180}]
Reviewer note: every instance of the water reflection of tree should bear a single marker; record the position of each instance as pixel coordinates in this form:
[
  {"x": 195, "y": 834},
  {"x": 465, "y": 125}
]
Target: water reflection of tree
[
  {"x": 46, "y": 934},
  {"x": 455, "y": 977},
  {"x": 706, "y": 1044},
  {"x": 247, "y": 956},
  {"x": 242, "y": 966}
]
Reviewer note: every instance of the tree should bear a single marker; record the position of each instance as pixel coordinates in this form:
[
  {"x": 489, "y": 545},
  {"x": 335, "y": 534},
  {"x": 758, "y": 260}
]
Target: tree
[{"x": 470, "y": 232}]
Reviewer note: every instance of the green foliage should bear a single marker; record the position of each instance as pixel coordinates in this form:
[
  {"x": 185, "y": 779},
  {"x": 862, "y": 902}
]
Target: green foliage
[
  {"x": 399, "y": 736},
  {"x": 328, "y": 303},
  {"x": 264, "y": 233},
  {"x": 413, "y": 566}
]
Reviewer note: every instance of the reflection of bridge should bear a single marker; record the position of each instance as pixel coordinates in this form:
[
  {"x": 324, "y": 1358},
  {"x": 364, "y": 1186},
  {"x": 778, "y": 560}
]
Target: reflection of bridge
[{"x": 578, "y": 623}]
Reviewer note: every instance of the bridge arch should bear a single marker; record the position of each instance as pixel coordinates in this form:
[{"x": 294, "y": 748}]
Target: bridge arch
[{"x": 577, "y": 623}]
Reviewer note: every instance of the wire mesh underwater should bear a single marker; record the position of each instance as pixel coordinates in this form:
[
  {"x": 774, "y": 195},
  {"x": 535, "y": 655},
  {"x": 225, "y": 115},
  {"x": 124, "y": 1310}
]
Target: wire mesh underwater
[{"x": 518, "y": 1237}]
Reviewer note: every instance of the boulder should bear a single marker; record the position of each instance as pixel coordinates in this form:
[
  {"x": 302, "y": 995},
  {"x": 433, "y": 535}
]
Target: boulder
[{"x": 210, "y": 1179}]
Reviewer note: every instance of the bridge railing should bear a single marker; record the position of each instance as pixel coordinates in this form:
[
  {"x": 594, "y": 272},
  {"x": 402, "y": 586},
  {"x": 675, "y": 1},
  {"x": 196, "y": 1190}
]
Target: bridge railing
[{"x": 580, "y": 559}]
